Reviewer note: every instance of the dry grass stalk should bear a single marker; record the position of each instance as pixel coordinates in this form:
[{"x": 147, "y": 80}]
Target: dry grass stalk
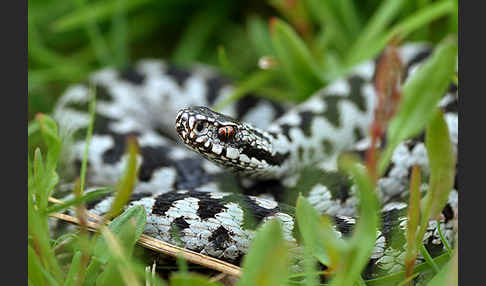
[{"x": 160, "y": 246}]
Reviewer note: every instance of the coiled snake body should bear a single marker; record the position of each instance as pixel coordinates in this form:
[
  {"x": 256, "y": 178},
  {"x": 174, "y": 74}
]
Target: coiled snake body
[{"x": 254, "y": 152}]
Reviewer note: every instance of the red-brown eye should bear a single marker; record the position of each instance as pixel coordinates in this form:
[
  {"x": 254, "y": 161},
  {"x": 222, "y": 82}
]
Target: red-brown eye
[{"x": 225, "y": 133}]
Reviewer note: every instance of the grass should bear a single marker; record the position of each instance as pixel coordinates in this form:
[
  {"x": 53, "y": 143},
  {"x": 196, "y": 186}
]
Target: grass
[{"x": 310, "y": 43}]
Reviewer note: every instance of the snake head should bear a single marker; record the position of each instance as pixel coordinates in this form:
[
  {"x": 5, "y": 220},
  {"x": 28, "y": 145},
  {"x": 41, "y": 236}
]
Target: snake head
[{"x": 224, "y": 140}]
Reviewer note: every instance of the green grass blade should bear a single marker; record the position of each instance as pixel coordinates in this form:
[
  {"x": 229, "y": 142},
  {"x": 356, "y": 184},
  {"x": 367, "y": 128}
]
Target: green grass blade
[
  {"x": 71, "y": 278},
  {"x": 454, "y": 18},
  {"x": 349, "y": 16},
  {"x": 127, "y": 228},
  {"x": 186, "y": 279},
  {"x": 34, "y": 268},
  {"x": 440, "y": 278},
  {"x": 182, "y": 266},
  {"x": 363, "y": 238},
  {"x": 267, "y": 261},
  {"x": 119, "y": 33},
  {"x": 296, "y": 14},
  {"x": 89, "y": 132},
  {"x": 395, "y": 278},
  {"x": 259, "y": 36},
  {"x": 127, "y": 182},
  {"x": 275, "y": 94},
  {"x": 295, "y": 59},
  {"x": 197, "y": 33},
  {"x": 421, "y": 94},
  {"x": 121, "y": 270},
  {"x": 39, "y": 52},
  {"x": 442, "y": 168},
  {"x": 86, "y": 197},
  {"x": 413, "y": 23},
  {"x": 64, "y": 239},
  {"x": 374, "y": 28},
  {"x": 38, "y": 270},
  {"x": 112, "y": 276},
  {"x": 442, "y": 162},
  {"x": 40, "y": 239},
  {"x": 94, "y": 12},
  {"x": 32, "y": 128},
  {"x": 311, "y": 275},
  {"x": 327, "y": 16},
  {"x": 95, "y": 36},
  {"x": 40, "y": 77},
  {"x": 428, "y": 258},
  {"x": 421, "y": 18},
  {"x": 248, "y": 84},
  {"x": 318, "y": 235},
  {"x": 226, "y": 65},
  {"x": 50, "y": 134},
  {"x": 407, "y": 280},
  {"x": 42, "y": 181},
  {"x": 413, "y": 219},
  {"x": 93, "y": 271},
  {"x": 38, "y": 172},
  {"x": 442, "y": 238}
]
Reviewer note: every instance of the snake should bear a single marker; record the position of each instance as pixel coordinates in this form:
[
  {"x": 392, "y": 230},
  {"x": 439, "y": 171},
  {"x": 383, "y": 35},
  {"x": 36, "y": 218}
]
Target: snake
[{"x": 208, "y": 180}]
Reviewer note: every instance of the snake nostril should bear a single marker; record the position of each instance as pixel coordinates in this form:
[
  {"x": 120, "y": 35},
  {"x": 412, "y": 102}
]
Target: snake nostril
[
  {"x": 181, "y": 119},
  {"x": 179, "y": 114}
]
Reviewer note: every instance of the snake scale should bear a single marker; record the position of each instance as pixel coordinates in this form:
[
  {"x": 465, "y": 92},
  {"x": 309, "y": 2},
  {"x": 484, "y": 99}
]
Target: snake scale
[{"x": 250, "y": 159}]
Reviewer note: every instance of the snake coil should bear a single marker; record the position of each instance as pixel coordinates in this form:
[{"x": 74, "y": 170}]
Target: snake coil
[{"x": 247, "y": 157}]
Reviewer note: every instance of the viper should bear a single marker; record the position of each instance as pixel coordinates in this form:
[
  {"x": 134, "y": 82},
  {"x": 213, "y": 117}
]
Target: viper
[{"x": 211, "y": 180}]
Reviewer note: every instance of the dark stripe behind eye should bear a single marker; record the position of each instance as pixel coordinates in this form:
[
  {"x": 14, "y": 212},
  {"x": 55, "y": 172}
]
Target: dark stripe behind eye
[{"x": 260, "y": 155}]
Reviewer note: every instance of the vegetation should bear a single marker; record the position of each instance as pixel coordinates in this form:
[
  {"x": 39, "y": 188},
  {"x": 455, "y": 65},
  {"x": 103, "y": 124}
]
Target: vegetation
[{"x": 302, "y": 45}]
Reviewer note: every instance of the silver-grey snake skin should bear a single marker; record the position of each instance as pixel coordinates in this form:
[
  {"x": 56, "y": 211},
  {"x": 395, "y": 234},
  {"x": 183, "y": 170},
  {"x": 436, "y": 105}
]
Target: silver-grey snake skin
[{"x": 263, "y": 146}]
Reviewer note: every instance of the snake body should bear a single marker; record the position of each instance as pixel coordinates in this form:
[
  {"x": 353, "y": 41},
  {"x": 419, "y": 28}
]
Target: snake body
[{"x": 247, "y": 156}]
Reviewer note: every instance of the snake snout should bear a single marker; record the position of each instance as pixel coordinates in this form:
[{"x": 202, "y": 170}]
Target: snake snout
[
  {"x": 191, "y": 126},
  {"x": 181, "y": 124}
]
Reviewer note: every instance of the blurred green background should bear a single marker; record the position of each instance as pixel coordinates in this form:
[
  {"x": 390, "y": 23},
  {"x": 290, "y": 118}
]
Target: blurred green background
[
  {"x": 313, "y": 41},
  {"x": 308, "y": 42}
]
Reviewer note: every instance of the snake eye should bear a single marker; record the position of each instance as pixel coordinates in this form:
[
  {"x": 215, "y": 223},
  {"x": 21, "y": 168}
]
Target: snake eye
[{"x": 225, "y": 133}]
